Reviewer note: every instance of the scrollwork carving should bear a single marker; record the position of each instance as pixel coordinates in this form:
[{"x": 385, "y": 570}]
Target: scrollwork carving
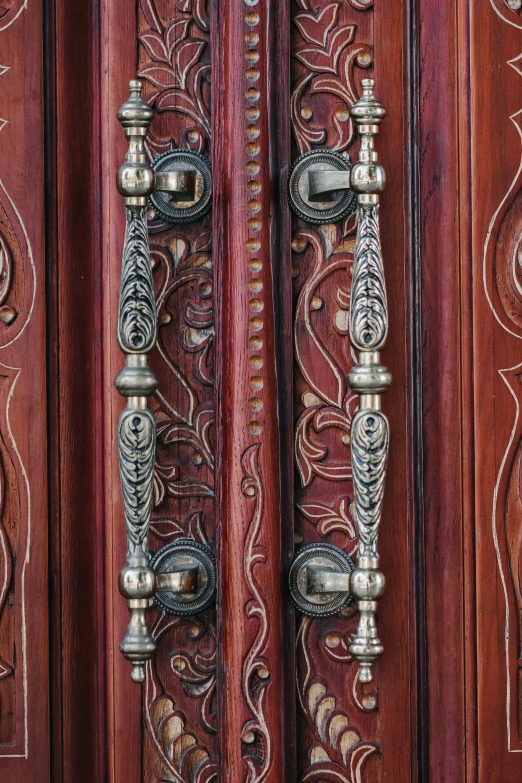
[
  {"x": 322, "y": 276},
  {"x": 338, "y": 751}
]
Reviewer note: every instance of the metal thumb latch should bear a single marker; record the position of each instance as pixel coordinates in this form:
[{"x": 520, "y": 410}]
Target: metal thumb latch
[
  {"x": 321, "y": 190},
  {"x": 181, "y": 576}
]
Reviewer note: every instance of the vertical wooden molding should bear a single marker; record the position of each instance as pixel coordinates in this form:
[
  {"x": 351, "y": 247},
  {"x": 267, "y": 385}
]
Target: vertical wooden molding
[{"x": 253, "y": 701}]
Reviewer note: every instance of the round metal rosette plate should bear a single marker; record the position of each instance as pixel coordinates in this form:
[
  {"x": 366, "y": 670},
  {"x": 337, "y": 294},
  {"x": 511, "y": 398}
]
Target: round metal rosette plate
[
  {"x": 185, "y": 557},
  {"x": 183, "y": 211},
  {"x": 342, "y": 202},
  {"x": 330, "y": 563}
]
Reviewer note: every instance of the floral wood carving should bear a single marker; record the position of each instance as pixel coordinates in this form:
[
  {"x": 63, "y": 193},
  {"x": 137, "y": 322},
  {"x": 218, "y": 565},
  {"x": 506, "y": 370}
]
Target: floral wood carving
[
  {"x": 180, "y": 710},
  {"x": 327, "y": 52},
  {"x": 338, "y": 720}
]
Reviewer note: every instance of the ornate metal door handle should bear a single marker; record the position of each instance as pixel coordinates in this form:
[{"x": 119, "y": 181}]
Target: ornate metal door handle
[
  {"x": 181, "y": 579},
  {"x": 321, "y": 177}
]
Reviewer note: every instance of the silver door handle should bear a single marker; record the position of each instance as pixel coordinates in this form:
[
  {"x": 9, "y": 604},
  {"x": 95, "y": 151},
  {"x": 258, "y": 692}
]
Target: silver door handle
[
  {"x": 181, "y": 576},
  {"x": 369, "y": 379},
  {"x": 322, "y": 186}
]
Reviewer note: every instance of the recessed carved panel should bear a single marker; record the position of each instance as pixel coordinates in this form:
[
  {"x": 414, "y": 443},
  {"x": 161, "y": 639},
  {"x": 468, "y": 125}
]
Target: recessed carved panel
[
  {"x": 338, "y": 718},
  {"x": 179, "y": 696}
]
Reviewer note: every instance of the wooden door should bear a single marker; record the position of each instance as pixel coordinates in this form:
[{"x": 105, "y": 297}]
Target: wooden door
[{"x": 253, "y": 409}]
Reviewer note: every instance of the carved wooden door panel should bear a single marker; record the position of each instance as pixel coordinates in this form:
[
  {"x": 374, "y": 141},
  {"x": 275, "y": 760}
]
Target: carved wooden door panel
[
  {"x": 253, "y": 407},
  {"x": 258, "y": 380}
]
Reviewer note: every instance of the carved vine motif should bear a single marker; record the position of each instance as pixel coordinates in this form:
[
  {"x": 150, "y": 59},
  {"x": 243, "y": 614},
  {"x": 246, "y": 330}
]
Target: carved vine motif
[
  {"x": 328, "y": 54},
  {"x": 339, "y": 720},
  {"x": 328, "y": 402},
  {"x": 183, "y": 476},
  {"x": 183, "y": 276},
  {"x": 255, "y": 733},
  {"x": 322, "y": 442},
  {"x": 176, "y": 68},
  {"x": 174, "y": 64},
  {"x": 180, "y": 756}
]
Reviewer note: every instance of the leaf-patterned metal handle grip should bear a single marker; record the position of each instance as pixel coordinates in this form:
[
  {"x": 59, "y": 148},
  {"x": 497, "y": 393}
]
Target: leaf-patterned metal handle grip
[
  {"x": 369, "y": 379},
  {"x": 136, "y": 430}
]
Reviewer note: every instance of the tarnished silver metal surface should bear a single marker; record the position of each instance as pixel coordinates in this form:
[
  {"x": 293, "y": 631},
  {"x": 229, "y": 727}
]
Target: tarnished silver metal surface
[
  {"x": 186, "y": 577},
  {"x": 174, "y": 199},
  {"x": 178, "y": 186},
  {"x": 319, "y": 579},
  {"x": 136, "y": 431},
  {"x": 369, "y": 379},
  {"x": 319, "y": 187}
]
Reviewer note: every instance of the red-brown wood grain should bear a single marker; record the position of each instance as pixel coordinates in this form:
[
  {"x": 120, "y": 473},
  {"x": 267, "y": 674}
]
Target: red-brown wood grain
[
  {"x": 440, "y": 388},
  {"x": 495, "y": 103},
  {"x": 254, "y": 686},
  {"x": 118, "y": 64},
  {"x": 24, "y": 617},
  {"x": 445, "y": 705},
  {"x": 74, "y": 316},
  {"x": 327, "y": 683}
]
